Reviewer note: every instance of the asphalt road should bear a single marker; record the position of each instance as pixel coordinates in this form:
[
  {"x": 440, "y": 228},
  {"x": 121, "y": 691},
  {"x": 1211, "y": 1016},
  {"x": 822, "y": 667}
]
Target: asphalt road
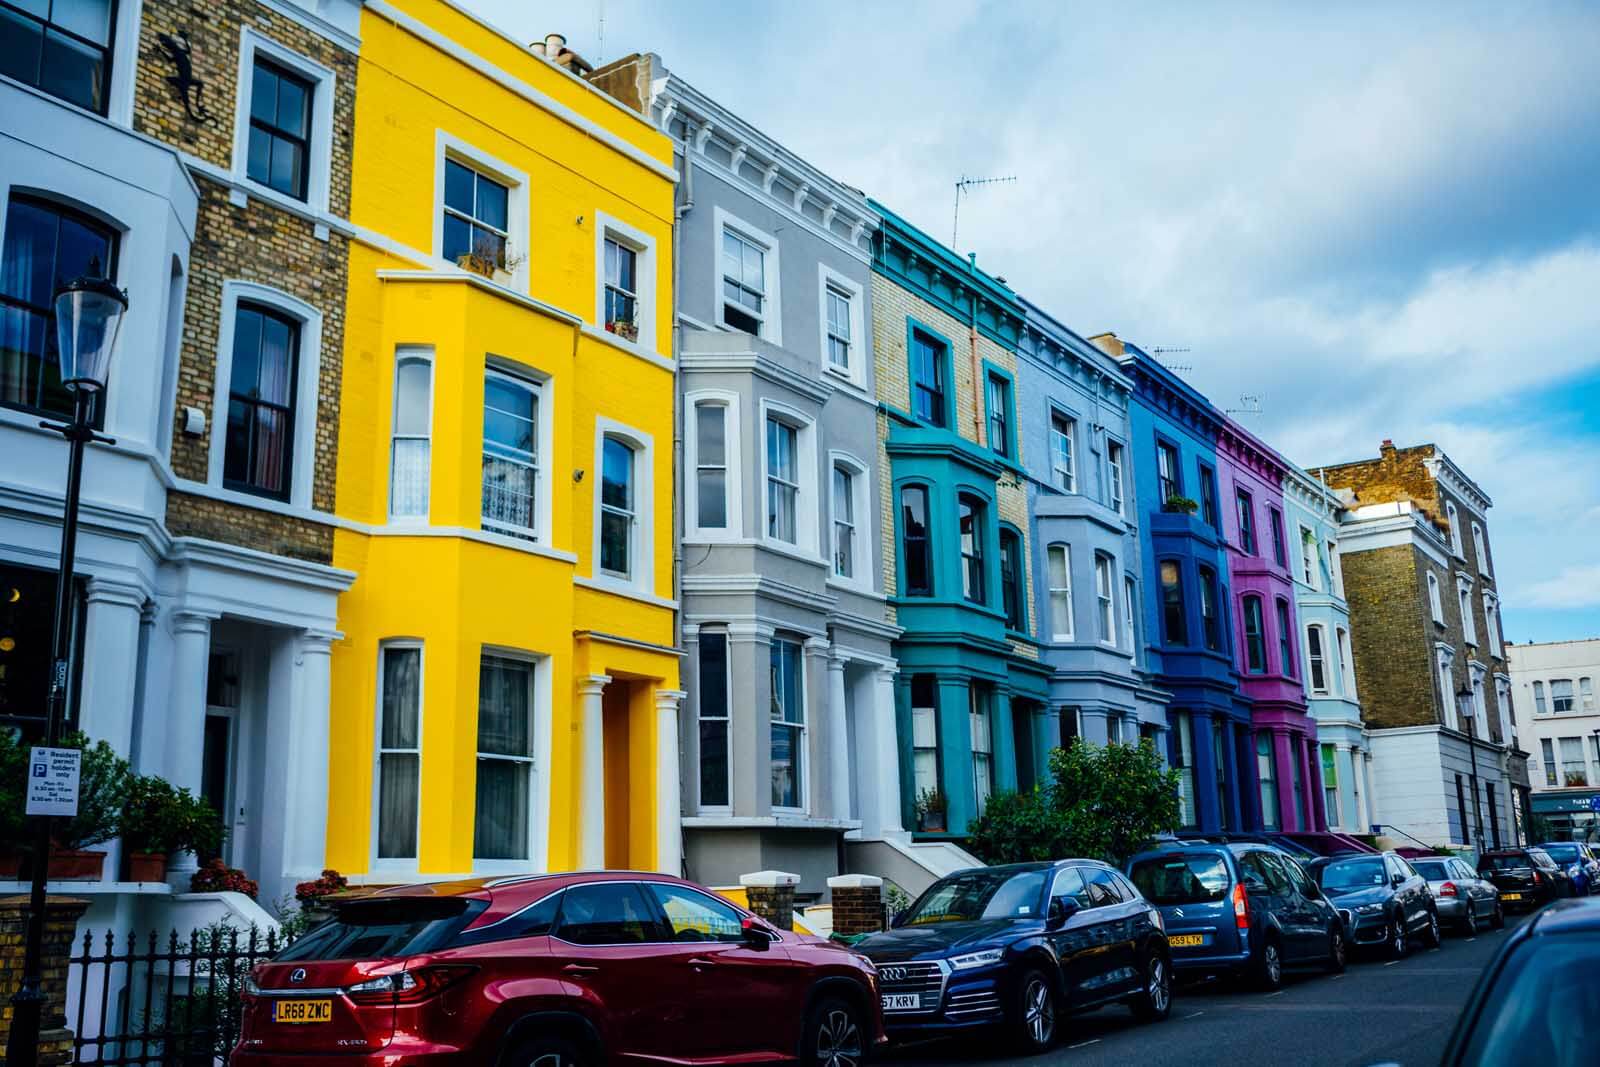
[{"x": 1376, "y": 1012}]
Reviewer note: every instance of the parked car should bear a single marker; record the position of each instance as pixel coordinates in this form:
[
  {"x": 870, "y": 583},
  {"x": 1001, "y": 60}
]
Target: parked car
[
  {"x": 1240, "y": 908},
  {"x": 568, "y": 970},
  {"x": 1383, "y": 900},
  {"x": 1461, "y": 898},
  {"x": 1578, "y": 860},
  {"x": 1537, "y": 1001},
  {"x": 1019, "y": 946},
  {"x": 1526, "y": 877}
]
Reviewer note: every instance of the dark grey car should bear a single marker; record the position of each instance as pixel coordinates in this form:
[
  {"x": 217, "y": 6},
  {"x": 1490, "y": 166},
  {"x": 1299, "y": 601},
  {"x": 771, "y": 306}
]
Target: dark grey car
[{"x": 1462, "y": 899}]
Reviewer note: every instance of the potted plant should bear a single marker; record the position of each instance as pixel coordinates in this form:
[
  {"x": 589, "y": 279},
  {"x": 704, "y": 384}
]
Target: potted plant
[
  {"x": 313, "y": 895},
  {"x": 158, "y": 820},
  {"x": 626, "y": 329},
  {"x": 218, "y": 877},
  {"x": 492, "y": 259},
  {"x": 102, "y": 788},
  {"x": 1181, "y": 504},
  {"x": 931, "y": 806}
]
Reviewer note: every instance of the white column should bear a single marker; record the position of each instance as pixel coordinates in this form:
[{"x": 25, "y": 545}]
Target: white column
[
  {"x": 175, "y": 743},
  {"x": 884, "y": 781},
  {"x": 305, "y": 814},
  {"x": 110, "y": 662},
  {"x": 1374, "y": 809},
  {"x": 669, "y": 788},
  {"x": 592, "y": 775},
  {"x": 838, "y": 743}
]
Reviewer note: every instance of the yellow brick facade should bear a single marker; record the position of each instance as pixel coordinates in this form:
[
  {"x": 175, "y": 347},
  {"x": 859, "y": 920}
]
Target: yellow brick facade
[{"x": 603, "y": 720}]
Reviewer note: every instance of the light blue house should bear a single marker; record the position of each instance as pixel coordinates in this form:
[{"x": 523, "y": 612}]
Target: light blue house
[{"x": 1087, "y": 569}]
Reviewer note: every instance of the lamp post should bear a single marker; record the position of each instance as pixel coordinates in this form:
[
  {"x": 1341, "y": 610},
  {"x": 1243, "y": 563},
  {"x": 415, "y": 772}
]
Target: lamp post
[
  {"x": 88, "y": 315},
  {"x": 1466, "y": 711}
]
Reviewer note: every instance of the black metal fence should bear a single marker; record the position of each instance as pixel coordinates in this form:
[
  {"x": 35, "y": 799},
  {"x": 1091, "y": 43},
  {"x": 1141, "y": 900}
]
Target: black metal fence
[{"x": 162, "y": 1004}]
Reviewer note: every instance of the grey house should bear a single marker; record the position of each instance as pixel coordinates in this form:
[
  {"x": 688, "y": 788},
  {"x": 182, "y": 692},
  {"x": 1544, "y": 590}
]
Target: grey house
[{"x": 788, "y": 729}]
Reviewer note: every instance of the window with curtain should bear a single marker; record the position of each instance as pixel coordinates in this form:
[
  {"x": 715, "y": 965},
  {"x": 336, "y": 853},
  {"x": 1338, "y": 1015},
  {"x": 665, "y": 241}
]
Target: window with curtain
[
  {"x": 1104, "y": 594},
  {"x": 997, "y": 398},
  {"x": 280, "y": 128},
  {"x": 410, "y": 462},
  {"x": 1255, "y": 635},
  {"x": 1316, "y": 663},
  {"x": 1174, "y": 622},
  {"x": 711, "y": 465},
  {"x": 1285, "y": 639},
  {"x": 62, "y": 48},
  {"x": 258, "y": 447},
  {"x": 1247, "y": 523},
  {"x": 1280, "y": 550},
  {"x": 1268, "y": 781},
  {"x": 399, "y": 750},
  {"x": 927, "y": 379},
  {"x": 788, "y": 724},
  {"x": 970, "y": 516},
  {"x": 1586, "y": 693},
  {"x": 783, "y": 480},
  {"x": 46, "y": 246},
  {"x": 838, "y": 327},
  {"x": 924, "y": 734},
  {"x": 1539, "y": 706},
  {"x": 618, "y": 507},
  {"x": 1059, "y": 558},
  {"x": 1208, "y": 498},
  {"x": 1115, "y": 467},
  {"x": 1169, "y": 477},
  {"x": 916, "y": 563},
  {"x": 712, "y": 660},
  {"x": 1011, "y": 585},
  {"x": 501, "y": 827},
  {"x": 1210, "y": 614},
  {"x": 844, "y": 521},
  {"x": 1183, "y": 763},
  {"x": 476, "y": 216},
  {"x": 1130, "y": 601},
  {"x": 1574, "y": 768},
  {"x": 1063, "y": 467},
  {"x": 982, "y": 747},
  {"x": 510, "y": 454},
  {"x": 1561, "y": 700},
  {"x": 1549, "y": 751},
  {"x": 622, "y": 288},
  {"x": 744, "y": 282}
]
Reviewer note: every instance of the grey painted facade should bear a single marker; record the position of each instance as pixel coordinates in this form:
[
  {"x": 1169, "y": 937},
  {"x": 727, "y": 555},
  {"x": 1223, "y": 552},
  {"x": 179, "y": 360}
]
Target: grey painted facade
[{"x": 787, "y": 648}]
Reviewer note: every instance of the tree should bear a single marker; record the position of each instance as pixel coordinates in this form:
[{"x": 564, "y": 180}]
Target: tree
[{"x": 1104, "y": 802}]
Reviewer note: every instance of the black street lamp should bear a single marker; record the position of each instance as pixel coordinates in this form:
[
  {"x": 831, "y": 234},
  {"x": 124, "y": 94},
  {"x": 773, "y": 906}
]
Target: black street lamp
[
  {"x": 88, "y": 315},
  {"x": 1467, "y": 712}
]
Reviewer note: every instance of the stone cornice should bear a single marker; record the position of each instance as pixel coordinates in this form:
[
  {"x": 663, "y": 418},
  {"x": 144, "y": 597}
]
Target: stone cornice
[
  {"x": 1311, "y": 494},
  {"x": 1247, "y": 449},
  {"x": 1049, "y": 344},
  {"x": 1162, "y": 390},
  {"x": 944, "y": 279},
  {"x": 1444, "y": 471}
]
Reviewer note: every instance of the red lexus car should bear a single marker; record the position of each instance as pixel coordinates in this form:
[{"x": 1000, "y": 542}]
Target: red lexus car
[{"x": 557, "y": 970}]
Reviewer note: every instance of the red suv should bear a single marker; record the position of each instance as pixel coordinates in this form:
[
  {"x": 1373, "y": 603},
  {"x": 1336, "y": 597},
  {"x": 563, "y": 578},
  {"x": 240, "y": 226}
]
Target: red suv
[{"x": 558, "y": 970}]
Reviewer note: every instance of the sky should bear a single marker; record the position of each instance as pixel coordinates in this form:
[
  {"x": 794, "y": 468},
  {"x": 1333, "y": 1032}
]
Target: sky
[{"x": 1381, "y": 220}]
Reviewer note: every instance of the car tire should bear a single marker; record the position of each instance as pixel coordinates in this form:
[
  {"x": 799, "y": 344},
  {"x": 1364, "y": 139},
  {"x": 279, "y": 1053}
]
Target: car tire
[
  {"x": 1269, "y": 965},
  {"x": 1498, "y": 919},
  {"x": 546, "y": 1052},
  {"x": 1432, "y": 936},
  {"x": 1398, "y": 940},
  {"x": 1469, "y": 925},
  {"x": 1035, "y": 1015},
  {"x": 1337, "y": 950},
  {"x": 1154, "y": 1002},
  {"x": 833, "y": 1035}
]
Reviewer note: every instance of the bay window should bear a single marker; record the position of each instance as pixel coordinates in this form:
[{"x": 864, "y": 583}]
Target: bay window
[
  {"x": 504, "y": 798},
  {"x": 970, "y": 513},
  {"x": 1011, "y": 584},
  {"x": 399, "y": 749},
  {"x": 618, "y": 507},
  {"x": 1060, "y": 576},
  {"x": 783, "y": 480},
  {"x": 411, "y": 445},
  {"x": 510, "y": 454},
  {"x": 1255, "y": 636},
  {"x": 1105, "y": 607},
  {"x": 788, "y": 722},
  {"x": 713, "y": 690},
  {"x": 711, "y": 465},
  {"x": 916, "y": 561},
  {"x": 1172, "y": 608}
]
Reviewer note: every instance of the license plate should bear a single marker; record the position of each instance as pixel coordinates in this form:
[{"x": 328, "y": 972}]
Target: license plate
[
  {"x": 1186, "y": 940},
  {"x": 302, "y": 1011},
  {"x": 1510, "y": 896},
  {"x": 902, "y": 1001}
]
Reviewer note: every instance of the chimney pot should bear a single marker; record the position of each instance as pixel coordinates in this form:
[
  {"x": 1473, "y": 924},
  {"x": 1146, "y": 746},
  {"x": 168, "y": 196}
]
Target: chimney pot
[
  {"x": 537, "y": 48},
  {"x": 554, "y": 43}
]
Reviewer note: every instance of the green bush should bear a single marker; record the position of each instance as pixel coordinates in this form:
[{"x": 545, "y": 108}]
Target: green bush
[
  {"x": 159, "y": 818},
  {"x": 103, "y": 786},
  {"x": 1104, "y": 802}
]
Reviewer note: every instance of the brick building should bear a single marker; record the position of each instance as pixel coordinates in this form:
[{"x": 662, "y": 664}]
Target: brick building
[{"x": 1428, "y": 648}]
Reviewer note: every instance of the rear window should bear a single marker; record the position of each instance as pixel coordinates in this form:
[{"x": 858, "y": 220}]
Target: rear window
[
  {"x": 1432, "y": 870},
  {"x": 1542, "y": 1006},
  {"x": 1181, "y": 879},
  {"x": 381, "y": 929},
  {"x": 1562, "y": 853},
  {"x": 1515, "y": 862},
  {"x": 1344, "y": 876}
]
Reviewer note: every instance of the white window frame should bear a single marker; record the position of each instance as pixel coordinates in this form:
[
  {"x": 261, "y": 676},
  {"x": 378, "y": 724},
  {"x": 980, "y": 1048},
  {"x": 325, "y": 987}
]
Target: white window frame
[
  {"x": 1481, "y": 548},
  {"x": 1321, "y": 659},
  {"x": 726, "y": 717},
  {"x": 644, "y": 250},
  {"x": 407, "y": 354},
  {"x": 1105, "y": 593},
  {"x": 1469, "y": 625},
  {"x": 1572, "y": 695},
  {"x": 1117, "y": 475},
  {"x": 1453, "y": 518},
  {"x": 542, "y": 709},
  {"x": 806, "y": 466},
  {"x": 1539, "y": 705},
  {"x": 1586, "y": 697},
  {"x": 396, "y": 865},
  {"x": 1447, "y": 687},
  {"x": 319, "y": 155},
  {"x": 826, "y": 277},
  {"x": 544, "y": 390},
  {"x": 732, "y": 477},
  {"x": 861, "y": 510},
  {"x": 308, "y": 374},
  {"x": 1502, "y": 698},
  {"x": 1062, "y": 592},
  {"x": 980, "y": 719},
  {"x": 1057, "y": 470},
  {"x": 1335, "y": 568},
  {"x": 448, "y": 146},
  {"x": 1130, "y": 596},
  {"x": 641, "y": 554},
  {"x": 1491, "y": 622},
  {"x": 1310, "y": 565},
  {"x": 802, "y": 729},
  {"x": 1435, "y": 598},
  {"x": 1347, "y": 665},
  {"x": 772, "y": 305}
]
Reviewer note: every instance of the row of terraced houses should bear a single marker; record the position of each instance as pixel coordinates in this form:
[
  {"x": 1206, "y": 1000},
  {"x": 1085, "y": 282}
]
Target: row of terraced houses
[{"x": 523, "y": 466}]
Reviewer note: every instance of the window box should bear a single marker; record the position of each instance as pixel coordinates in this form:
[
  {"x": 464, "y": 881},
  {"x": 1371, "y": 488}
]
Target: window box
[
  {"x": 628, "y": 331},
  {"x": 1181, "y": 505}
]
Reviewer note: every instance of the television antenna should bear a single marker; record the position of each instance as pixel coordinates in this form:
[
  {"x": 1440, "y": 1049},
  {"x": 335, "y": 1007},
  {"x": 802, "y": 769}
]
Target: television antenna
[
  {"x": 1249, "y": 404},
  {"x": 1176, "y": 368},
  {"x": 964, "y": 183}
]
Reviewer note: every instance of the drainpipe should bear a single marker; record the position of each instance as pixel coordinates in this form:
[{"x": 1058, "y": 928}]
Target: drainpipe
[
  {"x": 679, "y": 211},
  {"x": 979, "y": 386}
]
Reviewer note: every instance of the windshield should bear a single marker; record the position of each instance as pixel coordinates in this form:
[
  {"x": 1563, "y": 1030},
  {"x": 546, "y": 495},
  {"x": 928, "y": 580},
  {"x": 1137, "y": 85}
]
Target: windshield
[
  {"x": 1514, "y": 862},
  {"x": 1542, "y": 1007},
  {"x": 993, "y": 894},
  {"x": 1562, "y": 853},
  {"x": 1349, "y": 875},
  {"x": 381, "y": 929},
  {"x": 1432, "y": 870},
  {"x": 1181, "y": 879}
]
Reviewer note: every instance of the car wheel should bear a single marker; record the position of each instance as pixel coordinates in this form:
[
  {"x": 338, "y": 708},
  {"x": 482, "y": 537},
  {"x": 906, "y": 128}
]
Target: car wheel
[
  {"x": 1469, "y": 925},
  {"x": 833, "y": 1036},
  {"x": 1154, "y": 1002},
  {"x": 1034, "y": 1012},
  {"x": 547, "y": 1052},
  {"x": 1432, "y": 936},
  {"x": 1336, "y": 950},
  {"x": 1269, "y": 966},
  {"x": 1498, "y": 919},
  {"x": 1399, "y": 940}
]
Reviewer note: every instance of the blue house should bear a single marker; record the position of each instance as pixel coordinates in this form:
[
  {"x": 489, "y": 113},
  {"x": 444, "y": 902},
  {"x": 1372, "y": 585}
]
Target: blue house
[
  {"x": 1088, "y": 569},
  {"x": 1188, "y": 625}
]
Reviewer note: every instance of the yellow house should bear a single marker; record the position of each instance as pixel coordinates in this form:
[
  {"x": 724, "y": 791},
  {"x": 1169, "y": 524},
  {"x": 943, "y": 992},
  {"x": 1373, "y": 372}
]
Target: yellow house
[{"x": 505, "y": 693}]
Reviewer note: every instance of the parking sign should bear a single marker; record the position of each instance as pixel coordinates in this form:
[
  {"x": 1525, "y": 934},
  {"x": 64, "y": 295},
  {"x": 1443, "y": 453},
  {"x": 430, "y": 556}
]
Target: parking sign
[{"x": 53, "y": 781}]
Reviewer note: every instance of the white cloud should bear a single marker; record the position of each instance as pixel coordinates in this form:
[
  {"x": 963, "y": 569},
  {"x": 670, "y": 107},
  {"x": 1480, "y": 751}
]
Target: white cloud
[{"x": 1574, "y": 587}]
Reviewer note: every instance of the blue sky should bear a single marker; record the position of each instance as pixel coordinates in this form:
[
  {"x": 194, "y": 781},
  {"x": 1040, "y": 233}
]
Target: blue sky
[{"x": 1383, "y": 220}]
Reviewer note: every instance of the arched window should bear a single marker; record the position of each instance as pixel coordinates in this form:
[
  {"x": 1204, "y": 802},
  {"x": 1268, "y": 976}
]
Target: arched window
[
  {"x": 618, "y": 508},
  {"x": 970, "y": 514},
  {"x": 1255, "y": 636},
  {"x": 1172, "y": 609},
  {"x": 1011, "y": 583},
  {"x": 916, "y": 561},
  {"x": 1455, "y": 528},
  {"x": 1210, "y": 623},
  {"x": 410, "y": 461},
  {"x": 1435, "y": 602}
]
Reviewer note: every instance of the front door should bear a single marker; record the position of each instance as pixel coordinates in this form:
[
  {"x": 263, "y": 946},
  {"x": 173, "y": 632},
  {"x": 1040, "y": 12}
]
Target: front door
[{"x": 221, "y": 728}]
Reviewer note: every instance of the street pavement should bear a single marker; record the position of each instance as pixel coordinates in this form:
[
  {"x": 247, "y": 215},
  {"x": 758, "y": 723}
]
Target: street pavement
[{"x": 1376, "y": 1012}]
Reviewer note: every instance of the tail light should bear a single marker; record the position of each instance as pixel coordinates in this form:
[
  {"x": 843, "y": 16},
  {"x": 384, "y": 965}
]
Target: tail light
[
  {"x": 1448, "y": 889},
  {"x": 408, "y": 987},
  {"x": 1241, "y": 907},
  {"x": 1536, "y": 878}
]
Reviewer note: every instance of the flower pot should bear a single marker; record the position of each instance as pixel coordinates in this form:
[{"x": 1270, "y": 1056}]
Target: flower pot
[
  {"x": 933, "y": 822},
  {"x": 71, "y": 865},
  {"x": 147, "y": 866}
]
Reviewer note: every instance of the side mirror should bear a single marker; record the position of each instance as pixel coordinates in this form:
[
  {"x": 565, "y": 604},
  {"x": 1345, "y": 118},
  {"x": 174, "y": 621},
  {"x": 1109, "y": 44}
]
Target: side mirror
[
  {"x": 755, "y": 938},
  {"x": 1061, "y": 909},
  {"x": 1397, "y": 878}
]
